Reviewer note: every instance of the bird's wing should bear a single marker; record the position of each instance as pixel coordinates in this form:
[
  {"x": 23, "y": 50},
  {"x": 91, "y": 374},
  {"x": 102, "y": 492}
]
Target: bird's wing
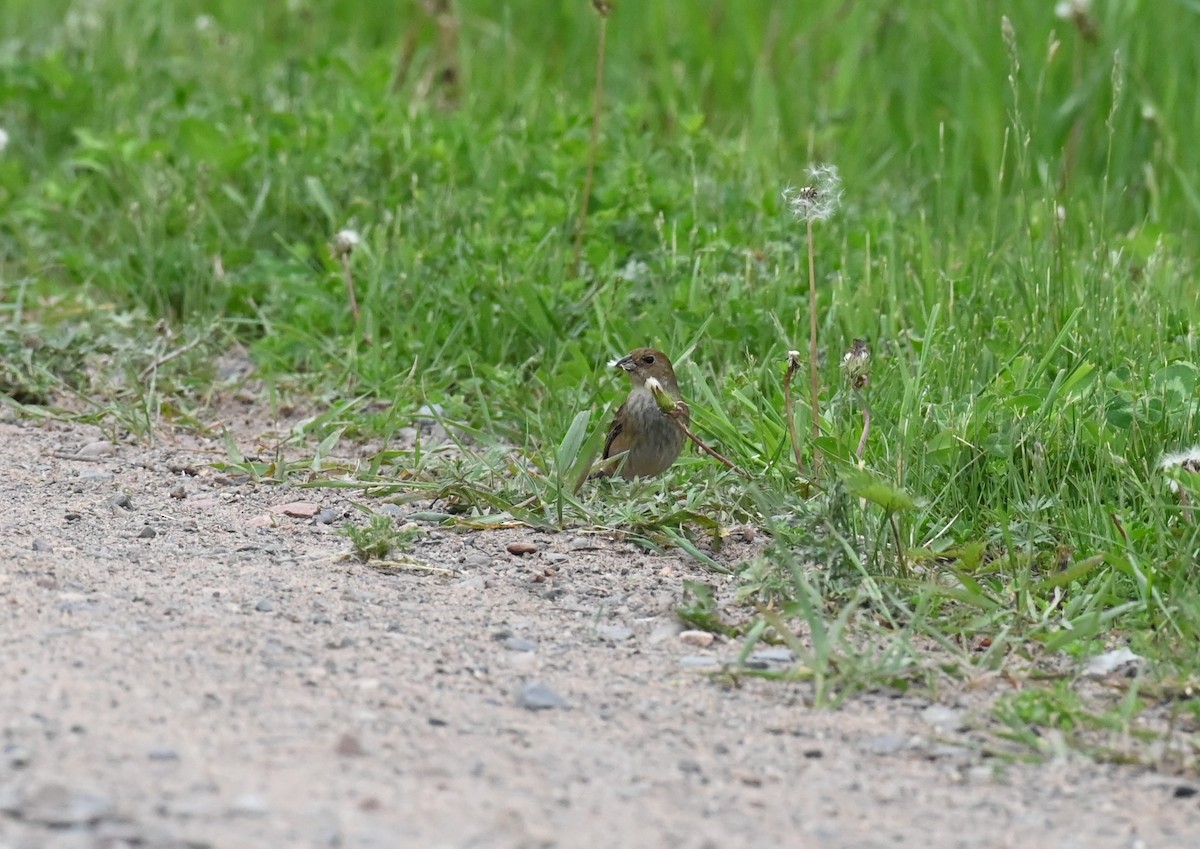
[{"x": 619, "y": 438}]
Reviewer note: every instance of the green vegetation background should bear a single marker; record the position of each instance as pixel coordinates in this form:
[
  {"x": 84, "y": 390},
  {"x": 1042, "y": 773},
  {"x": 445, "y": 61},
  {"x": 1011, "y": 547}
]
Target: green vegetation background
[{"x": 1017, "y": 242}]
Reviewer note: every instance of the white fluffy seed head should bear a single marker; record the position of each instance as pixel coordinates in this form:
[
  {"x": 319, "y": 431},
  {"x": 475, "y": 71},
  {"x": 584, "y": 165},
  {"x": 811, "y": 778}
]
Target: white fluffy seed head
[
  {"x": 1187, "y": 460},
  {"x": 820, "y": 199},
  {"x": 345, "y": 242}
]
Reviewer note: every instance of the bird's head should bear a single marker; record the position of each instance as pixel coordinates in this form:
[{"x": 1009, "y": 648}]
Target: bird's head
[{"x": 644, "y": 363}]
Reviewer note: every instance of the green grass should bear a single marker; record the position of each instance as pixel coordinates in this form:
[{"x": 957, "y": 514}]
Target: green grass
[{"x": 1017, "y": 242}]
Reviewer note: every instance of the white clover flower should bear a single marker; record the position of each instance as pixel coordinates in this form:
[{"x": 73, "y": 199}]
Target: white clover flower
[
  {"x": 1187, "y": 461},
  {"x": 3, "y": 139},
  {"x": 820, "y": 198},
  {"x": 345, "y": 242}
]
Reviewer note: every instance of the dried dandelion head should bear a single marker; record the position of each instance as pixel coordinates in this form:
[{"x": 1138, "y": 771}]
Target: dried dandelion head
[
  {"x": 1079, "y": 13},
  {"x": 603, "y": 8},
  {"x": 857, "y": 363},
  {"x": 345, "y": 242},
  {"x": 1182, "y": 461},
  {"x": 819, "y": 200}
]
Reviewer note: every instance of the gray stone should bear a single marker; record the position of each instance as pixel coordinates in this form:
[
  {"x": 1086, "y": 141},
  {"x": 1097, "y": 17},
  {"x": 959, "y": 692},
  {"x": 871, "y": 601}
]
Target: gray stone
[
  {"x": 518, "y": 644},
  {"x": 613, "y": 633},
  {"x": 698, "y": 661},
  {"x": 1119, "y": 661},
  {"x": 59, "y": 806},
  {"x": 477, "y": 560},
  {"x": 264, "y": 606},
  {"x": 249, "y": 806},
  {"x": 536, "y": 696},
  {"x": 42, "y": 545},
  {"x": 394, "y": 511},
  {"x": 17, "y": 756},
  {"x": 886, "y": 744},
  {"x": 583, "y": 544},
  {"x": 96, "y": 476},
  {"x": 119, "y": 502},
  {"x": 944, "y": 718},
  {"x": 147, "y": 533},
  {"x": 326, "y": 517},
  {"x": 774, "y": 656}
]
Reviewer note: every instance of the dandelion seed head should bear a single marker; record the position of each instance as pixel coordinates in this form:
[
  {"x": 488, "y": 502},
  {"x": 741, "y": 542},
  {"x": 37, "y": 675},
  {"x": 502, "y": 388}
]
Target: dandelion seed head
[
  {"x": 345, "y": 242},
  {"x": 1069, "y": 10},
  {"x": 818, "y": 200},
  {"x": 3, "y": 139},
  {"x": 857, "y": 362},
  {"x": 1187, "y": 461}
]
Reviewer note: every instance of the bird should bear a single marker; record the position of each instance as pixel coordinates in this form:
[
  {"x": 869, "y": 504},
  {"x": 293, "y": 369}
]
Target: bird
[{"x": 642, "y": 440}]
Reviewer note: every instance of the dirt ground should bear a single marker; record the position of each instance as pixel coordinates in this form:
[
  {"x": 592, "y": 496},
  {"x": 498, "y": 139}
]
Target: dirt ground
[{"x": 183, "y": 667}]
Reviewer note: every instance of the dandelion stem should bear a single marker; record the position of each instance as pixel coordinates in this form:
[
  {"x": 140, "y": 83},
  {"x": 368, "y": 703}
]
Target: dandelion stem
[
  {"x": 597, "y": 100},
  {"x": 866, "y": 431},
  {"x": 789, "y": 408},
  {"x": 676, "y": 411},
  {"x": 348, "y": 276},
  {"x": 814, "y": 375}
]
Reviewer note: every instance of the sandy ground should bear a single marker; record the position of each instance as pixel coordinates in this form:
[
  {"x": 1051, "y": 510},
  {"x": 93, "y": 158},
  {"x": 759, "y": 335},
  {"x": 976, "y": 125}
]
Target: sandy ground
[{"x": 229, "y": 679}]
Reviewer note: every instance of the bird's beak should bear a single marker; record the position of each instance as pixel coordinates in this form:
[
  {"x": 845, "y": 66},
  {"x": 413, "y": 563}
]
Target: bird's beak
[{"x": 625, "y": 362}]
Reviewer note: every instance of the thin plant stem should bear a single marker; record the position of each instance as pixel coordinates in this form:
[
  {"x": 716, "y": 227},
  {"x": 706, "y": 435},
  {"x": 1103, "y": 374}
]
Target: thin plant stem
[
  {"x": 814, "y": 375},
  {"x": 594, "y": 143},
  {"x": 899, "y": 545},
  {"x": 866, "y": 431},
  {"x": 789, "y": 406},
  {"x": 677, "y": 411},
  {"x": 676, "y": 415},
  {"x": 348, "y": 276}
]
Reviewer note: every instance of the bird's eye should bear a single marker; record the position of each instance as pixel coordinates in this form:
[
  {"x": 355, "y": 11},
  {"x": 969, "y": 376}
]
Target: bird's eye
[{"x": 648, "y": 359}]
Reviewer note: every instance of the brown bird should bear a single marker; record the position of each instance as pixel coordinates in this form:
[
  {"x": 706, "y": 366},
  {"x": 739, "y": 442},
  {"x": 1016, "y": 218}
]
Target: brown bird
[{"x": 642, "y": 440}]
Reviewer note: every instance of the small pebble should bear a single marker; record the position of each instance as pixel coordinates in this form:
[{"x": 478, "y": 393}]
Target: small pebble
[
  {"x": 613, "y": 633},
  {"x": 703, "y": 639},
  {"x": 178, "y": 492},
  {"x": 96, "y": 476},
  {"x": 297, "y": 509},
  {"x": 886, "y": 744},
  {"x": 697, "y": 661},
  {"x": 477, "y": 560},
  {"x": 59, "y": 806},
  {"x": 537, "y": 696},
  {"x": 249, "y": 806},
  {"x": 427, "y": 417},
  {"x": 95, "y": 450},
  {"x": 264, "y": 606},
  {"x": 943, "y": 718},
  {"x": 147, "y": 533},
  {"x": 394, "y": 511},
  {"x": 326, "y": 517},
  {"x": 349, "y": 747},
  {"x": 16, "y": 756},
  {"x": 583, "y": 544},
  {"x": 162, "y": 753},
  {"x": 42, "y": 545},
  {"x": 518, "y": 644},
  {"x": 557, "y": 557},
  {"x": 72, "y": 516},
  {"x": 120, "y": 501},
  {"x": 521, "y": 548}
]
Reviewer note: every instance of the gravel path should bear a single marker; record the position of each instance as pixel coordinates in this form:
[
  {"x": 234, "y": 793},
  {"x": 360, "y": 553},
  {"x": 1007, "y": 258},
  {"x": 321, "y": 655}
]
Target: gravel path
[{"x": 228, "y": 678}]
